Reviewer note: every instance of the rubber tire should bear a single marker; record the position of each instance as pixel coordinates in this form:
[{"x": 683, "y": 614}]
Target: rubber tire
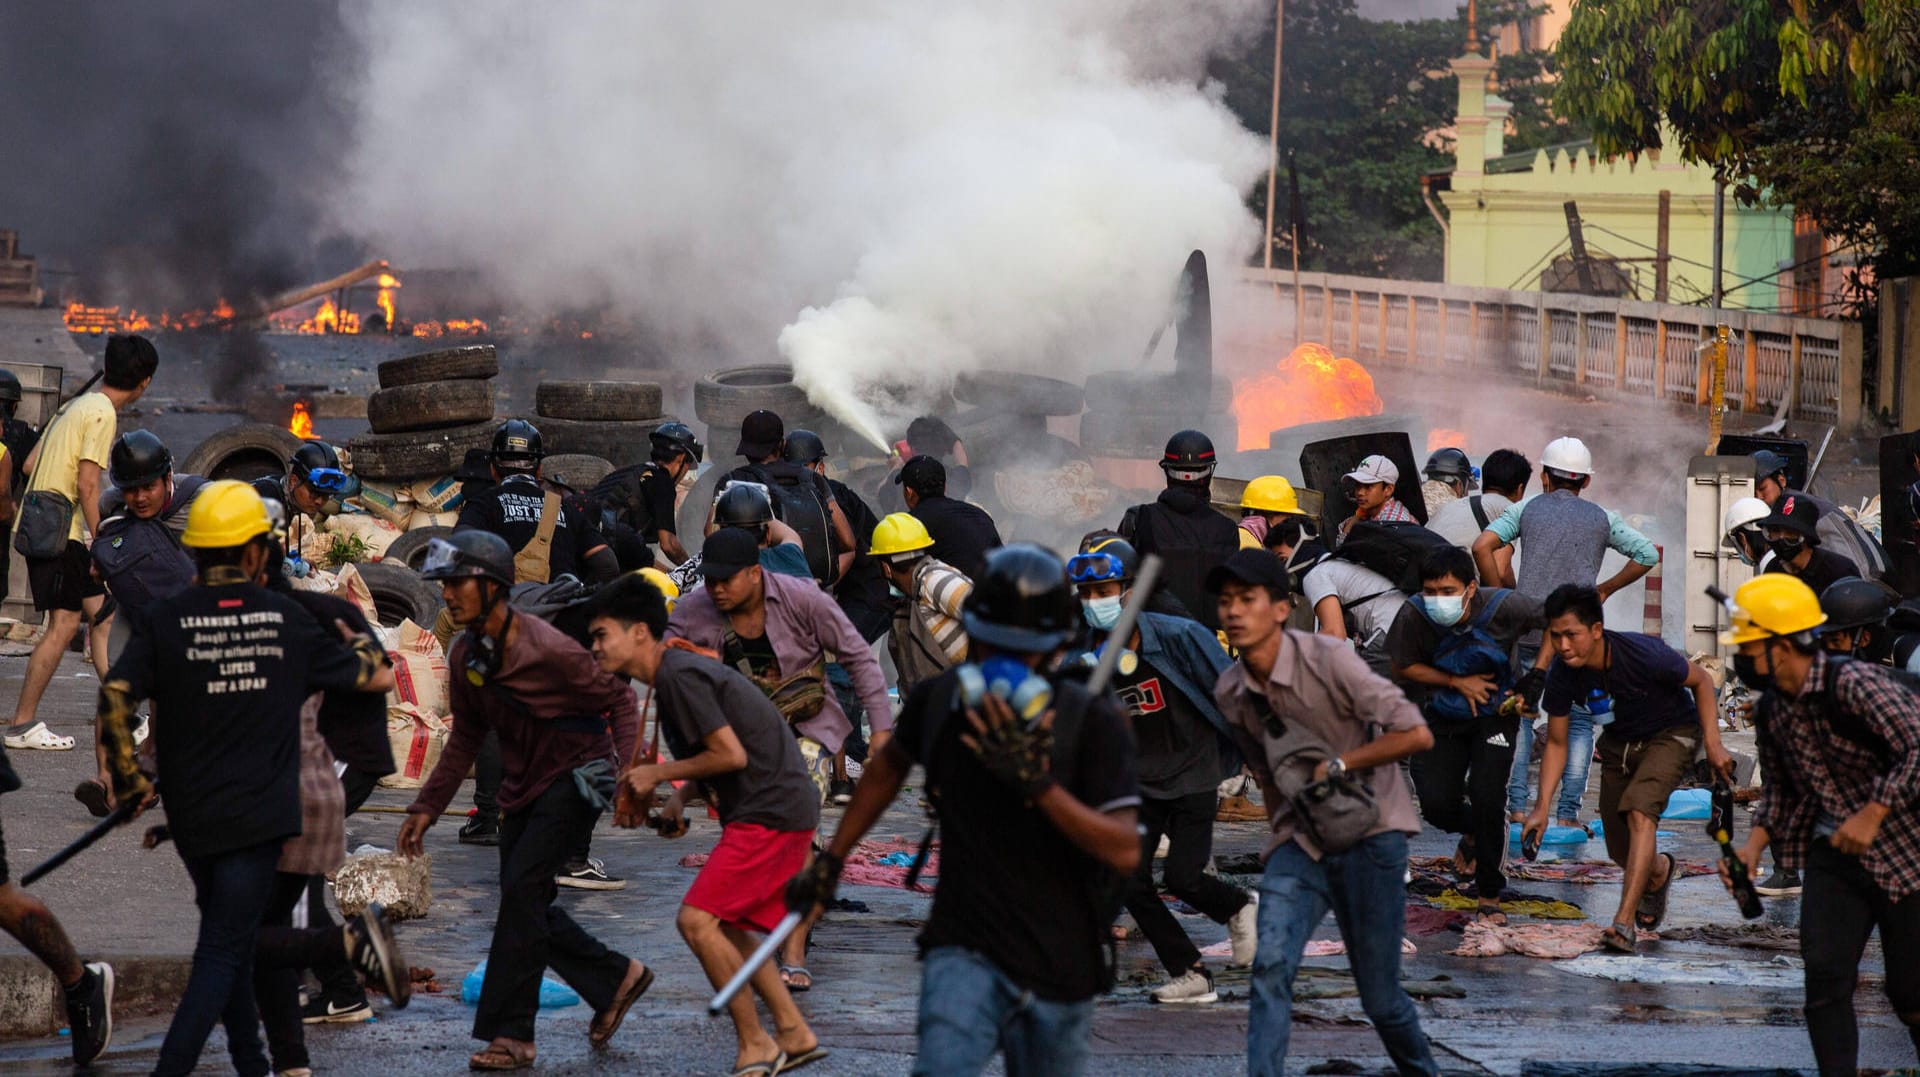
[
  {"x": 475, "y": 362},
  {"x": 422, "y": 455},
  {"x": 597, "y": 401},
  {"x": 1020, "y": 394},
  {"x": 246, "y": 452},
  {"x": 399, "y": 593},
  {"x": 622, "y": 444},
  {"x": 577, "y": 470},
  {"x": 722, "y": 399},
  {"x": 411, "y": 548},
  {"x": 1153, "y": 395},
  {"x": 690, "y": 520},
  {"x": 429, "y": 405}
]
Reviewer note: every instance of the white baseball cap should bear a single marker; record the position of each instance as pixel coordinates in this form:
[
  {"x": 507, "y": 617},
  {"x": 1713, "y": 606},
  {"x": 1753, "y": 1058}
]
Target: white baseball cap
[{"x": 1375, "y": 469}]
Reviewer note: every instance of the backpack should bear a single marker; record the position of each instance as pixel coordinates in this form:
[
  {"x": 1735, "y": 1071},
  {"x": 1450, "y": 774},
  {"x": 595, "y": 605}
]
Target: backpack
[
  {"x": 1394, "y": 550},
  {"x": 1854, "y": 728},
  {"x": 616, "y": 498},
  {"x": 797, "y": 502},
  {"x": 1466, "y": 650}
]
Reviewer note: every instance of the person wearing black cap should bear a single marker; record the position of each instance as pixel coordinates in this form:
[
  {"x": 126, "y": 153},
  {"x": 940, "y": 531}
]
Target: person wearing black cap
[
  {"x": 1032, "y": 780},
  {"x": 962, "y": 533},
  {"x": 1310, "y": 716},
  {"x": 1181, "y": 526},
  {"x": 1793, "y": 533},
  {"x": 1837, "y": 531},
  {"x": 802, "y": 498}
]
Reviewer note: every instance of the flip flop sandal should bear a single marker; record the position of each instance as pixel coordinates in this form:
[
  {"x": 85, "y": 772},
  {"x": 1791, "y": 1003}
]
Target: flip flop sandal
[
  {"x": 39, "y": 737},
  {"x": 607, "y": 1022},
  {"x": 1653, "y": 904},
  {"x": 500, "y": 1058},
  {"x": 769, "y": 1068},
  {"x": 1619, "y": 938},
  {"x": 811, "y": 1054},
  {"x": 1490, "y": 913},
  {"x": 788, "y": 972}
]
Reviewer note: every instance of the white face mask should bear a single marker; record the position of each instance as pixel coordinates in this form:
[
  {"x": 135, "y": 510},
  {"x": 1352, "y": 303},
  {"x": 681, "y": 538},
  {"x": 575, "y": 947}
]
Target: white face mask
[
  {"x": 1101, "y": 613},
  {"x": 895, "y": 591},
  {"x": 1445, "y": 610}
]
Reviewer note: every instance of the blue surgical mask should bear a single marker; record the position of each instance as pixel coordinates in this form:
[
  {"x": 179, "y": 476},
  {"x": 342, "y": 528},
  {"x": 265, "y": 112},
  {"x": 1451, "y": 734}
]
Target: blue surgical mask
[
  {"x": 895, "y": 591},
  {"x": 1101, "y": 613},
  {"x": 1445, "y": 610}
]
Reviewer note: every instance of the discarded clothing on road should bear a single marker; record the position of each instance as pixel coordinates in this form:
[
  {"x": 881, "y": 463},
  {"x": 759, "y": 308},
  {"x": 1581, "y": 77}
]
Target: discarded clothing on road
[
  {"x": 1556, "y": 942},
  {"x": 1513, "y": 903},
  {"x": 1776, "y": 937}
]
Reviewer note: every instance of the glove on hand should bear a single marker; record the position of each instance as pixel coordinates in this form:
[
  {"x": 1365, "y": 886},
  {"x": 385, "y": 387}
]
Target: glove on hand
[
  {"x": 1014, "y": 753},
  {"x": 815, "y": 885}
]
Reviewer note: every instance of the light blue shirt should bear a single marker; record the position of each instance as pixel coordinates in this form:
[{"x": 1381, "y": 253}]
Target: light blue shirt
[{"x": 1620, "y": 535}]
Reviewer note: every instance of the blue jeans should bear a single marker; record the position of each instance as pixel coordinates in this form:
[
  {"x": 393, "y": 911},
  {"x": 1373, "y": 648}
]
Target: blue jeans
[
  {"x": 1366, "y": 889},
  {"x": 1573, "y": 782},
  {"x": 969, "y": 1009},
  {"x": 233, "y": 890}
]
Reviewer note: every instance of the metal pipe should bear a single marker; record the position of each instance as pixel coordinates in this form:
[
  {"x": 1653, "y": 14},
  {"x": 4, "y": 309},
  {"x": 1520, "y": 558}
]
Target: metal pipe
[{"x": 760, "y": 956}]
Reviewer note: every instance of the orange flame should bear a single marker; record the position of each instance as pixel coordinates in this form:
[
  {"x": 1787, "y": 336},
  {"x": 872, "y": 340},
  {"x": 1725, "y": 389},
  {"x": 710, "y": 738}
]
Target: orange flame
[
  {"x": 1440, "y": 438},
  {"x": 1310, "y": 385},
  {"x": 457, "y": 327},
  {"x": 301, "y": 425},
  {"x": 388, "y": 282},
  {"x": 328, "y": 319}
]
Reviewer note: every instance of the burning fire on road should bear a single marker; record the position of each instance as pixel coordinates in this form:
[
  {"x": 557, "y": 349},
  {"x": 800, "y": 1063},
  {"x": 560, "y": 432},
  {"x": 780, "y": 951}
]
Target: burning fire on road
[
  {"x": 301, "y": 424},
  {"x": 1309, "y": 385}
]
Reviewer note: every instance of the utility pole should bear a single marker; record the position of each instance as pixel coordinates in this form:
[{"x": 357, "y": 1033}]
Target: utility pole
[
  {"x": 1577, "y": 244},
  {"x": 1660, "y": 246},
  {"x": 1719, "y": 236},
  {"x": 1273, "y": 130}
]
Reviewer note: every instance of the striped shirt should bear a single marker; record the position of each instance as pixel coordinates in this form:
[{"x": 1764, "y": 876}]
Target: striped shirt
[
  {"x": 939, "y": 591},
  {"x": 1390, "y": 512}
]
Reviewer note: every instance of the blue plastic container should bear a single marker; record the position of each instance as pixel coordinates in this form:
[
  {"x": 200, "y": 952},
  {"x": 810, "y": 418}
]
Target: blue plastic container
[{"x": 554, "y": 995}]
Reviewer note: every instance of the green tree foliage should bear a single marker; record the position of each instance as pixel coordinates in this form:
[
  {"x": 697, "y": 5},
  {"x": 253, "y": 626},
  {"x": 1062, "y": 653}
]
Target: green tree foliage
[
  {"x": 1362, "y": 108},
  {"x": 1805, "y": 104}
]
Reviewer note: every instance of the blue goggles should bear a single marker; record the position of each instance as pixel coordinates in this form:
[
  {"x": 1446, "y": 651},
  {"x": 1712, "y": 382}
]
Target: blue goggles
[
  {"x": 329, "y": 480},
  {"x": 1095, "y": 568}
]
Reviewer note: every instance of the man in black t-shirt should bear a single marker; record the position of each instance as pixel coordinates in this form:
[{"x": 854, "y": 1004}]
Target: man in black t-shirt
[
  {"x": 1793, "y": 534},
  {"x": 228, "y": 663},
  {"x": 515, "y": 506},
  {"x": 730, "y": 742},
  {"x": 1033, "y": 784},
  {"x": 962, "y": 533}
]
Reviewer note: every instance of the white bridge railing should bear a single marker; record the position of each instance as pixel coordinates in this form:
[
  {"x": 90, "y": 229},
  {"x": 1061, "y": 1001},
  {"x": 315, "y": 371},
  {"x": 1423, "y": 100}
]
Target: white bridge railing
[{"x": 1623, "y": 346}]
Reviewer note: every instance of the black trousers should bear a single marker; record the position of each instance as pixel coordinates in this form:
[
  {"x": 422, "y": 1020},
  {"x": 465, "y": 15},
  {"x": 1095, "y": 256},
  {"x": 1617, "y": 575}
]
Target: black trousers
[
  {"x": 1846, "y": 905},
  {"x": 1462, "y": 785},
  {"x": 531, "y": 935},
  {"x": 280, "y": 952},
  {"x": 489, "y": 771},
  {"x": 1187, "y": 823}
]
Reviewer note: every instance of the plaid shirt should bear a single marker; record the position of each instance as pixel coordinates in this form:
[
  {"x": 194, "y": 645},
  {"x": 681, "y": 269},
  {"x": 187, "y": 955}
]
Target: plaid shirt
[
  {"x": 1813, "y": 769},
  {"x": 1391, "y": 512}
]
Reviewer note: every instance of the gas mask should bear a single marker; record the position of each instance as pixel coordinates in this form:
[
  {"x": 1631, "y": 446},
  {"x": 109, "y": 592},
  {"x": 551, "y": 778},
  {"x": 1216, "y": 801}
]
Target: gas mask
[
  {"x": 1026, "y": 692},
  {"x": 1786, "y": 549}
]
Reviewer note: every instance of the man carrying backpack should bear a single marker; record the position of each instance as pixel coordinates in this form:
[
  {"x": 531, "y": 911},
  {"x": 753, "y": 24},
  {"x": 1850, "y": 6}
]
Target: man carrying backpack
[
  {"x": 802, "y": 499},
  {"x": 1359, "y": 591},
  {"x": 1032, "y": 780},
  {"x": 1840, "y": 746},
  {"x": 1837, "y": 531},
  {"x": 1370, "y": 487},
  {"x": 1453, "y": 651},
  {"x": 643, "y": 497}
]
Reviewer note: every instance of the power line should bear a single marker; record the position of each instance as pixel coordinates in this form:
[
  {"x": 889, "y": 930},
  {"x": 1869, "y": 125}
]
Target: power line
[{"x": 1530, "y": 270}]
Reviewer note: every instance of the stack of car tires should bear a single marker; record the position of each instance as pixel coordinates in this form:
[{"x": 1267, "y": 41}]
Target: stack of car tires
[
  {"x": 1132, "y": 415},
  {"x": 429, "y": 410},
  {"x": 610, "y": 420}
]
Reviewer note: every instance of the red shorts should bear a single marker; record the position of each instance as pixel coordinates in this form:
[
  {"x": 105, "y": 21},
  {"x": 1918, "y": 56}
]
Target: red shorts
[{"x": 744, "y": 882}]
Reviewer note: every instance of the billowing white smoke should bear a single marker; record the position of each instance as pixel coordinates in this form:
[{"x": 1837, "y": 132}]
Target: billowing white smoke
[{"x": 910, "y": 190}]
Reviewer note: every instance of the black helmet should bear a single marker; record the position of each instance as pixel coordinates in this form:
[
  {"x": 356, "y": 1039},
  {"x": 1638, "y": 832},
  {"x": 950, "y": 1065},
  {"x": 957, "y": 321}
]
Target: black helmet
[
  {"x": 1111, "y": 543},
  {"x": 469, "y": 553},
  {"x": 138, "y": 458},
  {"x": 1451, "y": 463},
  {"x": 1851, "y": 602},
  {"x": 676, "y": 437},
  {"x": 517, "y": 446},
  {"x": 743, "y": 504},
  {"x": 1022, "y": 602},
  {"x": 9, "y": 387},
  {"x": 1189, "y": 457},
  {"x": 318, "y": 465},
  {"x": 805, "y": 447}
]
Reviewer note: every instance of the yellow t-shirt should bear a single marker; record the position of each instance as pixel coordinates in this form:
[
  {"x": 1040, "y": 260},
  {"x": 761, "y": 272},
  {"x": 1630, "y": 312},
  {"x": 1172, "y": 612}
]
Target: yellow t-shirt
[{"x": 84, "y": 431}]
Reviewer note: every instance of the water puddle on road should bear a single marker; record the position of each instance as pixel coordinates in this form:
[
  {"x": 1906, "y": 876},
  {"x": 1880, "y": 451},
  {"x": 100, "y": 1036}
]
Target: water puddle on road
[{"x": 1781, "y": 972}]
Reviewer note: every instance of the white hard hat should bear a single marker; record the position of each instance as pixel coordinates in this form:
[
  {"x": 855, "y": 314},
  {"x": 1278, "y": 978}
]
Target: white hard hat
[
  {"x": 1747, "y": 510},
  {"x": 1569, "y": 455}
]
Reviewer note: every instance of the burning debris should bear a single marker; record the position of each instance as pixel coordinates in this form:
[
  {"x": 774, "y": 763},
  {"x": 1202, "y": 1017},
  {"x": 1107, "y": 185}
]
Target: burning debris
[
  {"x": 301, "y": 424},
  {"x": 1310, "y": 385}
]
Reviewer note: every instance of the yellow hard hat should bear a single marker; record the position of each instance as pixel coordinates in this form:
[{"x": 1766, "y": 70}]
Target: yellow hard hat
[
  {"x": 1772, "y": 604},
  {"x": 225, "y": 513},
  {"x": 663, "y": 582},
  {"x": 900, "y": 533},
  {"x": 1271, "y": 493}
]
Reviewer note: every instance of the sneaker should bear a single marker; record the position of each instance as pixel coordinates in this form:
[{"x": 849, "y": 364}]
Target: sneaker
[
  {"x": 1192, "y": 989},
  {"x": 840, "y": 790},
  {"x": 483, "y": 828},
  {"x": 854, "y": 770},
  {"x": 589, "y": 875},
  {"x": 373, "y": 951},
  {"x": 1243, "y": 928},
  {"x": 321, "y": 1010},
  {"x": 1782, "y": 883},
  {"x": 90, "y": 1013}
]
